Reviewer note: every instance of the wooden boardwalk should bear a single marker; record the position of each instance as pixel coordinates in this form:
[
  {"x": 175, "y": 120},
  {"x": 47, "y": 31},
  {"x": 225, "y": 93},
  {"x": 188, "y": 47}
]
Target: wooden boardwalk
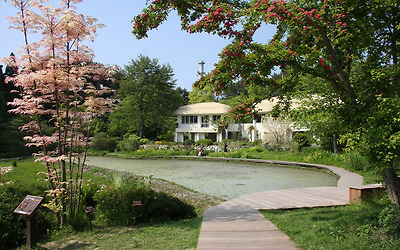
[{"x": 237, "y": 224}]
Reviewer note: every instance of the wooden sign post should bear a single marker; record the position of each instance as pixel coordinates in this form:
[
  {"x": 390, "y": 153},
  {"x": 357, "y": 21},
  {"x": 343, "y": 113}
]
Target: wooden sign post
[{"x": 28, "y": 207}]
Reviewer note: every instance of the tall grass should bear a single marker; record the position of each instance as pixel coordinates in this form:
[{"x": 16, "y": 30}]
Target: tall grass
[{"x": 358, "y": 226}]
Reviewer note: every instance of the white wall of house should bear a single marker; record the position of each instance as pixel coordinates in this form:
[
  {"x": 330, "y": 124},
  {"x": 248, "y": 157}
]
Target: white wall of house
[
  {"x": 266, "y": 128},
  {"x": 196, "y": 131}
]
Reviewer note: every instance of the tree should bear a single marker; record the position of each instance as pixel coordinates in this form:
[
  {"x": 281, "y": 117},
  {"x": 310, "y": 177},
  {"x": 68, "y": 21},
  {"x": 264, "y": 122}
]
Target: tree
[
  {"x": 185, "y": 95},
  {"x": 199, "y": 95},
  {"x": 350, "y": 47},
  {"x": 149, "y": 97},
  {"x": 51, "y": 74}
]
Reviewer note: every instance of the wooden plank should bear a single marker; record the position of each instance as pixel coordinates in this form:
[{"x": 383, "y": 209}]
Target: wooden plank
[{"x": 237, "y": 224}]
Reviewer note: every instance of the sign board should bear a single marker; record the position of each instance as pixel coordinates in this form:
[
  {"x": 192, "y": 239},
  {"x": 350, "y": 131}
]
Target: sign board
[
  {"x": 137, "y": 203},
  {"x": 28, "y": 205},
  {"x": 89, "y": 209}
]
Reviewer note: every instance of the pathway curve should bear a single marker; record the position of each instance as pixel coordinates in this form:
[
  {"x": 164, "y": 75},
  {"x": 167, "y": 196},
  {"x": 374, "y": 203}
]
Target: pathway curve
[{"x": 237, "y": 224}]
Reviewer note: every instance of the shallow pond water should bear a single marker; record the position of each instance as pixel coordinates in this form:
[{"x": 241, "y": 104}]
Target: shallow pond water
[{"x": 226, "y": 180}]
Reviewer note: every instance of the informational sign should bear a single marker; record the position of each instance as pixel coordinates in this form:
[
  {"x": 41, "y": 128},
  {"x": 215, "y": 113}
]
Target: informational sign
[
  {"x": 137, "y": 203},
  {"x": 89, "y": 210},
  {"x": 28, "y": 205}
]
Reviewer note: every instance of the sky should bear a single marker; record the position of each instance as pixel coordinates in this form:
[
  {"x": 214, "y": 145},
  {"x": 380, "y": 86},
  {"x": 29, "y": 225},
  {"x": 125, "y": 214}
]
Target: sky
[{"x": 116, "y": 45}]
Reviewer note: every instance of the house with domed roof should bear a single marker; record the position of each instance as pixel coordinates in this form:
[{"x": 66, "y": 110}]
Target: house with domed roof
[{"x": 197, "y": 121}]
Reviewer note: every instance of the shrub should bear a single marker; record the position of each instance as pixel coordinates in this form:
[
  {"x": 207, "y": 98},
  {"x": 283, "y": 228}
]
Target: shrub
[
  {"x": 233, "y": 154},
  {"x": 258, "y": 143},
  {"x": 13, "y": 226},
  {"x": 102, "y": 141},
  {"x": 354, "y": 161},
  {"x": 389, "y": 221},
  {"x": 115, "y": 206},
  {"x": 206, "y": 142},
  {"x": 302, "y": 139},
  {"x": 188, "y": 142},
  {"x": 129, "y": 143}
]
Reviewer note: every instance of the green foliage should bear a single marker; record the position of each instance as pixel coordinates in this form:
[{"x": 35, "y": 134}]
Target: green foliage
[
  {"x": 181, "y": 234},
  {"x": 159, "y": 152},
  {"x": 129, "y": 143},
  {"x": 199, "y": 95},
  {"x": 115, "y": 205},
  {"x": 302, "y": 139},
  {"x": 13, "y": 226},
  {"x": 354, "y": 161},
  {"x": 205, "y": 142},
  {"x": 390, "y": 222},
  {"x": 149, "y": 97},
  {"x": 12, "y": 143},
  {"x": 144, "y": 141},
  {"x": 80, "y": 221},
  {"x": 337, "y": 57},
  {"x": 22, "y": 181},
  {"x": 357, "y": 226},
  {"x": 379, "y": 138},
  {"x": 102, "y": 141},
  {"x": 188, "y": 142}
]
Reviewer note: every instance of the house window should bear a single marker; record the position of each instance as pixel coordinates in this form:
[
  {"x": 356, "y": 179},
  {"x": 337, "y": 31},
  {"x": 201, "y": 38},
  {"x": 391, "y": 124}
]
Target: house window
[
  {"x": 189, "y": 119},
  {"x": 204, "y": 121},
  {"x": 259, "y": 118},
  {"x": 216, "y": 118}
]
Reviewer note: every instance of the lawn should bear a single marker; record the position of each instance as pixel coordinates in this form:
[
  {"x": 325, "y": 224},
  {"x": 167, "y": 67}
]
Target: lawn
[
  {"x": 371, "y": 224},
  {"x": 181, "y": 234}
]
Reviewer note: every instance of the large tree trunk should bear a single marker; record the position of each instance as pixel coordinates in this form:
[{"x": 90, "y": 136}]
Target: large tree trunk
[{"x": 392, "y": 182}]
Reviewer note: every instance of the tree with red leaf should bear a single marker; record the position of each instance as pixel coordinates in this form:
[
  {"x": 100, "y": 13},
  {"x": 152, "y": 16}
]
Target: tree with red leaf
[
  {"x": 340, "y": 56},
  {"x": 54, "y": 91}
]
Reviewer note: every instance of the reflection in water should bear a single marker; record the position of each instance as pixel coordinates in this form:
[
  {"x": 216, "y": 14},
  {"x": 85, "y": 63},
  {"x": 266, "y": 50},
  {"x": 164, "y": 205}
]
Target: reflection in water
[{"x": 225, "y": 180}]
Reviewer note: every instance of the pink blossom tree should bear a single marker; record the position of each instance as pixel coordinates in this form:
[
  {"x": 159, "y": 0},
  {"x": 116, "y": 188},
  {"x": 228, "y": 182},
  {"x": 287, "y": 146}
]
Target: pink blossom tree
[{"x": 53, "y": 73}]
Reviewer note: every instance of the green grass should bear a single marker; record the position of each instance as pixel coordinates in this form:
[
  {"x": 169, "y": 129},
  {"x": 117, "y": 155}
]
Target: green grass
[
  {"x": 181, "y": 234},
  {"x": 356, "y": 226},
  {"x": 172, "y": 235},
  {"x": 26, "y": 171},
  {"x": 363, "y": 226}
]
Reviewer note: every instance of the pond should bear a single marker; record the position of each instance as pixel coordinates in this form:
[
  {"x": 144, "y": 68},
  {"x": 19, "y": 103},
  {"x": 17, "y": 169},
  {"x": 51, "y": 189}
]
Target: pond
[{"x": 226, "y": 180}]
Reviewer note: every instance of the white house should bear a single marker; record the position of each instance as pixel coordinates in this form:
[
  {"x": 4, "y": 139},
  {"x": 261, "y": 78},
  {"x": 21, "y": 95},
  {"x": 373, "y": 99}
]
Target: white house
[{"x": 196, "y": 121}]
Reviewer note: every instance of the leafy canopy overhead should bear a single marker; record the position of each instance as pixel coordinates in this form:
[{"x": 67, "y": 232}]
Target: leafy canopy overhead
[
  {"x": 341, "y": 57},
  {"x": 351, "y": 45}
]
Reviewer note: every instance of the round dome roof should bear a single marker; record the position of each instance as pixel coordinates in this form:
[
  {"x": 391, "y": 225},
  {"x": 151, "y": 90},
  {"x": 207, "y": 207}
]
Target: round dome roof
[{"x": 204, "y": 108}]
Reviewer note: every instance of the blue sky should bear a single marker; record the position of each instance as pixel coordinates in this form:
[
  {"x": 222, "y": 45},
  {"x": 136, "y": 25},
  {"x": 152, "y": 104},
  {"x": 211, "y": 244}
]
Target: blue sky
[{"x": 115, "y": 43}]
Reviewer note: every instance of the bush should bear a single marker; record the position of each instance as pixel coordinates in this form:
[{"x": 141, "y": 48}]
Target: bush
[
  {"x": 258, "y": 143},
  {"x": 144, "y": 141},
  {"x": 206, "y": 142},
  {"x": 188, "y": 142},
  {"x": 302, "y": 140},
  {"x": 115, "y": 205},
  {"x": 354, "y": 161},
  {"x": 13, "y": 226},
  {"x": 129, "y": 143},
  {"x": 102, "y": 141},
  {"x": 389, "y": 221}
]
